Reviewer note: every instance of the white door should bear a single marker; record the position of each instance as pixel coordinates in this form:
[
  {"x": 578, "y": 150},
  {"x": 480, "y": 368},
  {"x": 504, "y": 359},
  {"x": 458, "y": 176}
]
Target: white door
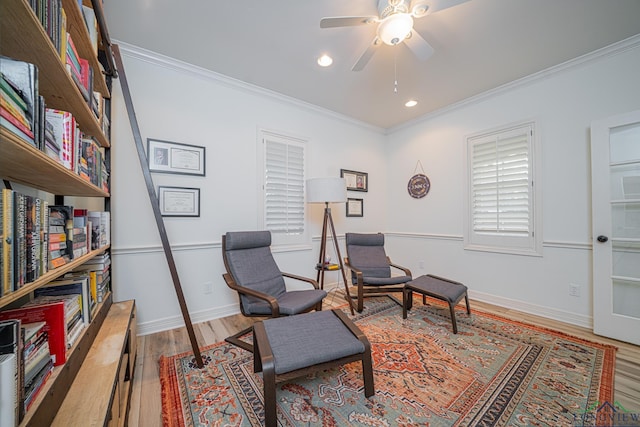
[{"x": 615, "y": 181}]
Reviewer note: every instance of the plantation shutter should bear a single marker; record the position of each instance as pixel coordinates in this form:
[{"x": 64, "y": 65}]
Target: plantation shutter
[
  {"x": 284, "y": 186},
  {"x": 501, "y": 184}
]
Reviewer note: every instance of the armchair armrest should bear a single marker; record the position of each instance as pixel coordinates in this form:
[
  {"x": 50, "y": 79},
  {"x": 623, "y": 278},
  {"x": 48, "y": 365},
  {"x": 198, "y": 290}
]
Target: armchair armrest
[
  {"x": 406, "y": 271},
  {"x": 302, "y": 279},
  {"x": 355, "y": 270},
  {"x": 275, "y": 309}
]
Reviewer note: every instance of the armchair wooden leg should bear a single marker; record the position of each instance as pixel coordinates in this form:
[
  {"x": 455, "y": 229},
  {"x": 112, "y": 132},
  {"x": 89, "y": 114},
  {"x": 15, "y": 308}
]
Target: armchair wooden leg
[
  {"x": 360, "y": 298},
  {"x": 466, "y": 300}
]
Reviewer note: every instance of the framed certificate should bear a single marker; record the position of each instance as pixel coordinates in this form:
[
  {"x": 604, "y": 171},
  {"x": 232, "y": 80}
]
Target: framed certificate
[
  {"x": 354, "y": 207},
  {"x": 179, "y": 201},
  {"x": 356, "y": 181},
  {"x": 172, "y": 157}
]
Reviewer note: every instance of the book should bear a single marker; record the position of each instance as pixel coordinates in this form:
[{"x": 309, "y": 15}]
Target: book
[
  {"x": 9, "y": 403},
  {"x": 7, "y": 230},
  {"x": 53, "y": 314},
  {"x": 19, "y": 240},
  {"x": 11, "y": 344},
  {"x": 62, "y": 126}
]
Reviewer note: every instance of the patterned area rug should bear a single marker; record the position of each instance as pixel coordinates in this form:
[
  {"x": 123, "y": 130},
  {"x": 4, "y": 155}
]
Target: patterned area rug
[{"x": 494, "y": 372}]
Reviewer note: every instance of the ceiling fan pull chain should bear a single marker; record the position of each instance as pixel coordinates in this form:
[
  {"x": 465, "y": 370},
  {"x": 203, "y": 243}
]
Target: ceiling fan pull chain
[{"x": 395, "y": 71}]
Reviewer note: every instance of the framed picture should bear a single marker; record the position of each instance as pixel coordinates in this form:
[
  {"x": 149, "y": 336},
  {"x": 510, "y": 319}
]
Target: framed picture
[
  {"x": 354, "y": 207},
  {"x": 179, "y": 201},
  {"x": 172, "y": 157},
  {"x": 356, "y": 181}
]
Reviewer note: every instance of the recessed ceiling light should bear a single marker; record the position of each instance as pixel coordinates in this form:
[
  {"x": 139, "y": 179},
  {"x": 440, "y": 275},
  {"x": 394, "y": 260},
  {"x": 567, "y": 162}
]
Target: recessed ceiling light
[
  {"x": 325, "y": 60},
  {"x": 411, "y": 103}
]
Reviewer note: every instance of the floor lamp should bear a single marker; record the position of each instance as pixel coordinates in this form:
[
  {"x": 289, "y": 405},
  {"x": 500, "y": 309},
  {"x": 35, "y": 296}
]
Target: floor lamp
[{"x": 328, "y": 190}]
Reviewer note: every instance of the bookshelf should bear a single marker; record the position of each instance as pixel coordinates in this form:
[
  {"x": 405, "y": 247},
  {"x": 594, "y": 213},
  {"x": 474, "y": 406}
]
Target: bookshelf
[{"x": 112, "y": 333}]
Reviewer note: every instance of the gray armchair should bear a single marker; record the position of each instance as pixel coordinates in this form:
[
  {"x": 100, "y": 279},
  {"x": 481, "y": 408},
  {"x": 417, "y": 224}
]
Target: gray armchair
[
  {"x": 371, "y": 267},
  {"x": 254, "y": 274}
]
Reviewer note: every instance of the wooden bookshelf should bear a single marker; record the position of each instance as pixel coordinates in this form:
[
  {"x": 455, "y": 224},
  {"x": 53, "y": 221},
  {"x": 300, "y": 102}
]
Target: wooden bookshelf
[{"x": 23, "y": 38}]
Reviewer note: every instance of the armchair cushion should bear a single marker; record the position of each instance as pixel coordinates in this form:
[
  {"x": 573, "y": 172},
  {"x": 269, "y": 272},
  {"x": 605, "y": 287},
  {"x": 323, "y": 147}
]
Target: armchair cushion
[
  {"x": 289, "y": 303},
  {"x": 366, "y": 253},
  {"x": 252, "y": 266}
]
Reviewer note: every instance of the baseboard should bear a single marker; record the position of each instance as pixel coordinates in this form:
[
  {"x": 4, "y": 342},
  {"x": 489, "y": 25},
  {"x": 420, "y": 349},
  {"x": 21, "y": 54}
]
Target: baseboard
[
  {"x": 173, "y": 322},
  {"x": 549, "y": 313}
]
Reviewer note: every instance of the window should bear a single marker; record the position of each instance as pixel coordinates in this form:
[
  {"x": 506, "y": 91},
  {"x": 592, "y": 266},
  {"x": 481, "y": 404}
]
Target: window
[
  {"x": 282, "y": 187},
  {"x": 502, "y": 213}
]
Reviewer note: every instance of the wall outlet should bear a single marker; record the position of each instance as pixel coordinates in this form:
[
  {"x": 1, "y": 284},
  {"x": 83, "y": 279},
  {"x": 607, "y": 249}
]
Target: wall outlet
[
  {"x": 207, "y": 287},
  {"x": 574, "y": 290}
]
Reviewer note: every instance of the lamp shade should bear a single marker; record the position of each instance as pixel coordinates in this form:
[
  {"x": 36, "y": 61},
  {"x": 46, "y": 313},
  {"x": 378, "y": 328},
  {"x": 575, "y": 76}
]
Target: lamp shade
[{"x": 326, "y": 190}]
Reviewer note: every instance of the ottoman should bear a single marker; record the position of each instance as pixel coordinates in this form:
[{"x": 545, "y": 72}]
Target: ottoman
[
  {"x": 437, "y": 287},
  {"x": 293, "y": 346}
]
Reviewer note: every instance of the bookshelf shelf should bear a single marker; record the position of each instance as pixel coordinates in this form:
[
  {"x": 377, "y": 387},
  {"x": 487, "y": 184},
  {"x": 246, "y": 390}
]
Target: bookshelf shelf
[
  {"x": 49, "y": 276},
  {"x": 23, "y": 163},
  {"x": 24, "y": 38}
]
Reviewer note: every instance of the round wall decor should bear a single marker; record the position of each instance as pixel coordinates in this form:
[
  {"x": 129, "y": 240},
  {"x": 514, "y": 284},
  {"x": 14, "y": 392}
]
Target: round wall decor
[{"x": 418, "y": 186}]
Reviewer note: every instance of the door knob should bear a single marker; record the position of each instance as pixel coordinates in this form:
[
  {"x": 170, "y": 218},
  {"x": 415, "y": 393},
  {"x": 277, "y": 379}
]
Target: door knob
[{"x": 602, "y": 239}]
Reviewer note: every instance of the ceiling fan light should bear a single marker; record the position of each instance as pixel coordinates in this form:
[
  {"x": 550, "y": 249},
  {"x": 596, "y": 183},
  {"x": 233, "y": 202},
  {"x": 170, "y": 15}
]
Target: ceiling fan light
[
  {"x": 325, "y": 60},
  {"x": 395, "y": 28}
]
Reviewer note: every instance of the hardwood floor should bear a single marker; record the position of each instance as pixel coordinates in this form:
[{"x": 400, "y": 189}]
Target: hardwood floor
[{"x": 146, "y": 400}]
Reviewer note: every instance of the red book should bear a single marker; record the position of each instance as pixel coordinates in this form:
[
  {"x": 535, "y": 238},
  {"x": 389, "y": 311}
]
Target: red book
[
  {"x": 17, "y": 123},
  {"x": 55, "y": 325}
]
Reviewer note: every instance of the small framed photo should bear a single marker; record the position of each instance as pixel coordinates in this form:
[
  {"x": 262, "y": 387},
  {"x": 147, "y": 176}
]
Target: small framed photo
[
  {"x": 356, "y": 181},
  {"x": 172, "y": 157},
  {"x": 179, "y": 201},
  {"x": 354, "y": 207}
]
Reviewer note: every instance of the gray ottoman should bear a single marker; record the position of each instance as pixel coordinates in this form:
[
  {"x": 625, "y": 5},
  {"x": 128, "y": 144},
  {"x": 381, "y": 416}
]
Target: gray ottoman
[
  {"x": 437, "y": 287},
  {"x": 293, "y": 346}
]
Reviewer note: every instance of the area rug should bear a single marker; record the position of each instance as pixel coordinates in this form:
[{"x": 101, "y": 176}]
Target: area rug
[{"x": 494, "y": 372}]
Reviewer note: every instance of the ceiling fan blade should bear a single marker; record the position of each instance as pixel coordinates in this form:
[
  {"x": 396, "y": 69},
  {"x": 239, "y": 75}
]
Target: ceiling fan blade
[
  {"x": 366, "y": 55},
  {"x": 420, "y": 8},
  {"x": 347, "y": 21},
  {"x": 419, "y": 46}
]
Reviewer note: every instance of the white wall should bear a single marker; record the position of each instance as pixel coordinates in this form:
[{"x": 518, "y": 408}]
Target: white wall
[
  {"x": 563, "y": 102},
  {"x": 178, "y": 102}
]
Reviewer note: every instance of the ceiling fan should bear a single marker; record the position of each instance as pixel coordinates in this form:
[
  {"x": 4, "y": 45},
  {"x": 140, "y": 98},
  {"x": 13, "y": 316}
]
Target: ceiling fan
[{"x": 395, "y": 25}]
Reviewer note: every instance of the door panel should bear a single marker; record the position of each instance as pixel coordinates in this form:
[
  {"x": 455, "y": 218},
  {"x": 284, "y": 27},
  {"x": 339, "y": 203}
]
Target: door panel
[{"x": 615, "y": 166}]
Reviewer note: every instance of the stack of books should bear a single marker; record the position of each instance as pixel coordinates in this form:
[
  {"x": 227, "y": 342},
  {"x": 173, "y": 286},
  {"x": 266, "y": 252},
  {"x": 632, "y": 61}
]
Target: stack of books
[
  {"x": 20, "y": 102},
  {"x": 37, "y": 360},
  {"x": 72, "y": 314},
  {"x": 60, "y": 231},
  {"x": 72, "y": 284},
  {"x": 98, "y": 269}
]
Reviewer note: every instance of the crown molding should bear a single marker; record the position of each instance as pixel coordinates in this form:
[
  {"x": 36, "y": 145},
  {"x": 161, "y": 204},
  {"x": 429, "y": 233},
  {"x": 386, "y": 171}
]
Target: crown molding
[
  {"x": 630, "y": 43},
  {"x": 177, "y": 65}
]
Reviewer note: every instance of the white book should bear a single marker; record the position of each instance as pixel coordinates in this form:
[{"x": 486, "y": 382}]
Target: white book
[{"x": 8, "y": 390}]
